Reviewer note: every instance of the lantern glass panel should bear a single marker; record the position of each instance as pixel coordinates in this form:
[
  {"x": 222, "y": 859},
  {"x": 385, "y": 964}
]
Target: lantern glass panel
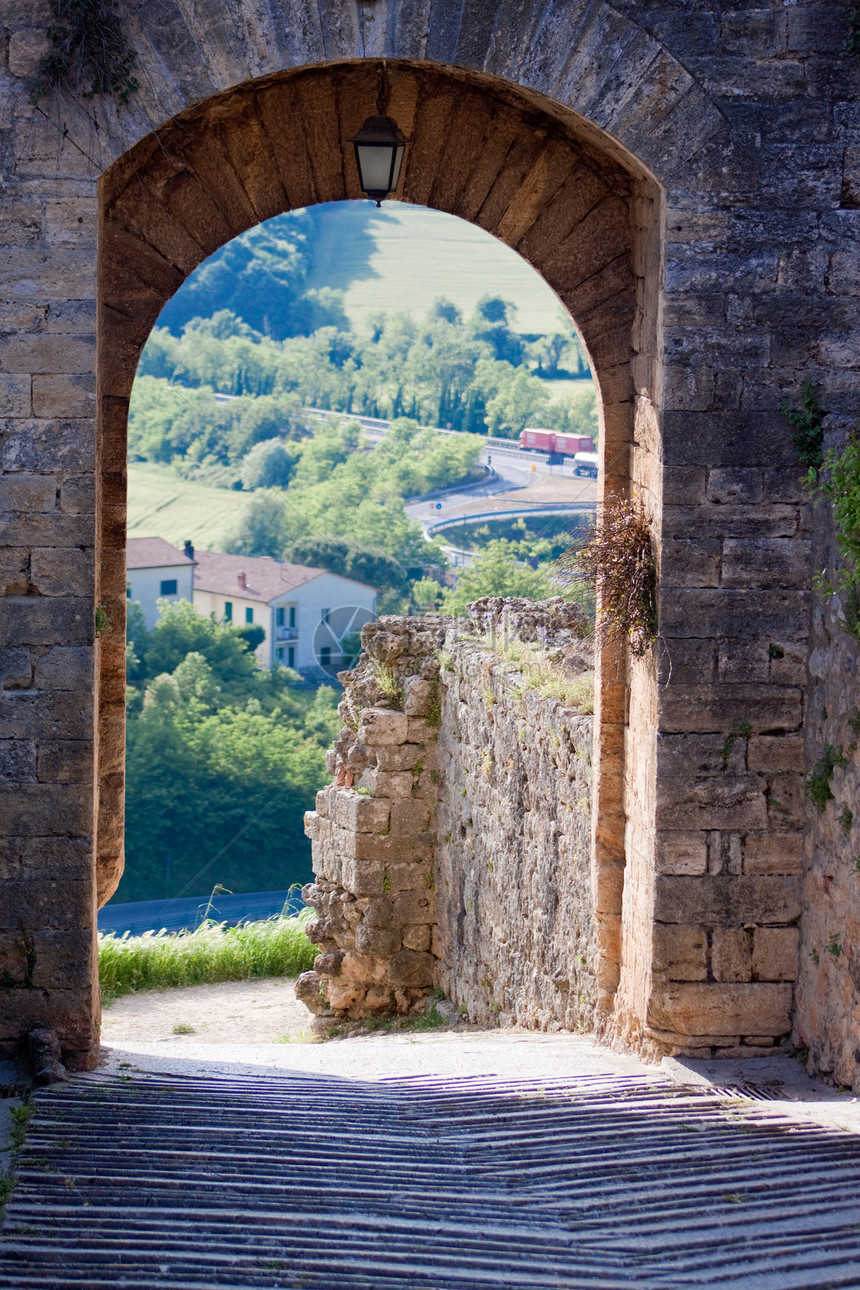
[{"x": 374, "y": 163}]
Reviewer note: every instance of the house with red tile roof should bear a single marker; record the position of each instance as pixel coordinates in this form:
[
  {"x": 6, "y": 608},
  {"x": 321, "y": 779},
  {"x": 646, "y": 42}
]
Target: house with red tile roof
[{"x": 306, "y": 613}]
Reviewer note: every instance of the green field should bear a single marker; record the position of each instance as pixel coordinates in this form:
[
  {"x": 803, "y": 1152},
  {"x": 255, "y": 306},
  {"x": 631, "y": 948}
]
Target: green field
[
  {"x": 160, "y": 504},
  {"x": 403, "y": 257}
]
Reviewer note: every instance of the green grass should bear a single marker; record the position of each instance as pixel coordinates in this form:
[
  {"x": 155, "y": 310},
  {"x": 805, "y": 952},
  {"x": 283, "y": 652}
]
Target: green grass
[
  {"x": 213, "y": 952},
  {"x": 160, "y": 504},
  {"x": 550, "y": 681},
  {"x": 418, "y": 254}
]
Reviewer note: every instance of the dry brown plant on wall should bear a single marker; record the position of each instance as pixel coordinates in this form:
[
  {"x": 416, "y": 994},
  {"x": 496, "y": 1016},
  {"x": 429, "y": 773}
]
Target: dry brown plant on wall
[
  {"x": 617, "y": 559},
  {"x": 88, "y": 52}
]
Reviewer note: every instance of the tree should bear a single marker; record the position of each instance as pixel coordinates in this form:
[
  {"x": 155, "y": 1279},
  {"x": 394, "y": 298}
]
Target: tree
[
  {"x": 268, "y": 464},
  {"x": 181, "y": 630},
  {"x": 265, "y": 528},
  {"x": 520, "y": 402},
  {"x": 496, "y": 571}
]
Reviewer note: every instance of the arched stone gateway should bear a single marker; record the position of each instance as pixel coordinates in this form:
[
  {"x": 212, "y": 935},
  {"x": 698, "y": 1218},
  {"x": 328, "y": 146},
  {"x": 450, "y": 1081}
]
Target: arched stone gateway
[{"x": 650, "y": 163}]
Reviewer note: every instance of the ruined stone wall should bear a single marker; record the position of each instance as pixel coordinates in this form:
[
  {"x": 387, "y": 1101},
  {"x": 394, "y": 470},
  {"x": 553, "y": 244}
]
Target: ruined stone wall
[
  {"x": 827, "y": 1017},
  {"x": 453, "y": 849},
  {"x": 513, "y": 872}
]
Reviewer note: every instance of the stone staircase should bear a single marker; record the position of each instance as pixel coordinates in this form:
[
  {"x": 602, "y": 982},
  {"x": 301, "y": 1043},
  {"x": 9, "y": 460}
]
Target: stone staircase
[{"x": 597, "y": 1181}]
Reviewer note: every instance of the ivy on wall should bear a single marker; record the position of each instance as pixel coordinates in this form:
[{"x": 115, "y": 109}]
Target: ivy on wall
[{"x": 88, "y": 52}]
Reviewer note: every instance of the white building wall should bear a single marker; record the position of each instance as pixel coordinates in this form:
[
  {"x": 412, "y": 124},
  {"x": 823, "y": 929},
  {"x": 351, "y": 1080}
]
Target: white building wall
[
  {"x": 145, "y": 587},
  {"x": 328, "y": 591}
]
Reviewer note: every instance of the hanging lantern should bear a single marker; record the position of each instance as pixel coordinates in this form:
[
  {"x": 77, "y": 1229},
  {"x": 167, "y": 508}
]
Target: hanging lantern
[{"x": 379, "y": 148}]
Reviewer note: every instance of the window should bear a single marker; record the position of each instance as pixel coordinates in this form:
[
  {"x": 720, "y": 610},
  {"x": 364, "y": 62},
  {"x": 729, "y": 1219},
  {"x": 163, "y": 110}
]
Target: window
[
  {"x": 293, "y": 616},
  {"x": 291, "y": 657},
  {"x": 168, "y": 587},
  {"x": 279, "y": 617},
  {"x": 325, "y": 655},
  {"x": 324, "y": 615},
  {"x": 249, "y": 615},
  {"x": 228, "y": 611},
  {"x": 279, "y": 654}
]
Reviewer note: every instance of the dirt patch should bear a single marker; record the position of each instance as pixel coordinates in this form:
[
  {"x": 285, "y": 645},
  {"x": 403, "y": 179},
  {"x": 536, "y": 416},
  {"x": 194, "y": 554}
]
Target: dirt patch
[{"x": 231, "y": 1012}]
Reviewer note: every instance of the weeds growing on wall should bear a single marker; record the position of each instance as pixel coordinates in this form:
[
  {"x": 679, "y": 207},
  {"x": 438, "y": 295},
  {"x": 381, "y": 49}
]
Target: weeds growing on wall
[
  {"x": 817, "y": 785},
  {"x": 212, "y": 952},
  {"x": 618, "y": 560},
  {"x": 546, "y": 678},
  {"x": 833, "y": 476},
  {"x": 88, "y": 52},
  {"x": 807, "y": 423}
]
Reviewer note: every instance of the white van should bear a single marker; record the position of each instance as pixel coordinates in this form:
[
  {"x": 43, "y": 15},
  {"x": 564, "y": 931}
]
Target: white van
[{"x": 585, "y": 463}]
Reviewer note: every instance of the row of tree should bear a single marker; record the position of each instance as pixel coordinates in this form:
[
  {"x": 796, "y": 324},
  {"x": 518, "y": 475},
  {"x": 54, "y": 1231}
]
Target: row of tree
[{"x": 476, "y": 375}]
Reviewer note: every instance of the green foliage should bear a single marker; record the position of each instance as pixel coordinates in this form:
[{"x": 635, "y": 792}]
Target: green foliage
[
  {"x": 834, "y": 946},
  {"x": 223, "y": 758},
  {"x": 807, "y": 420},
  {"x": 618, "y": 561},
  {"x": 837, "y": 480},
  {"x": 853, "y": 42},
  {"x": 20, "y": 1117},
  {"x": 846, "y": 819},
  {"x": 498, "y": 570},
  {"x": 740, "y": 730},
  {"x": 103, "y": 623},
  {"x": 269, "y": 464},
  {"x": 817, "y": 784},
  {"x": 88, "y": 52},
  {"x": 212, "y": 952}
]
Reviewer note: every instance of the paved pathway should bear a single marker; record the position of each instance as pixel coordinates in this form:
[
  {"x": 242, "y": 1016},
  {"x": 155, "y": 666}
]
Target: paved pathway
[{"x": 542, "y": 1162}]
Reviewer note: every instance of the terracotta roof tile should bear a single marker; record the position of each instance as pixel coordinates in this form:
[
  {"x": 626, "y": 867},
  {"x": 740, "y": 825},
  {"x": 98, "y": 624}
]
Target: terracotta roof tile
[
  {"x": 265, "y": 578},
  {"x": 153, "y": 553}
]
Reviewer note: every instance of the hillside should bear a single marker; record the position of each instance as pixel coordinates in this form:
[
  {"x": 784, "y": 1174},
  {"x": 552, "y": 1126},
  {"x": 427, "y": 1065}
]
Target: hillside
[
  {"x": 403, "y": 257},
  {"x": 161, "y": 504}
]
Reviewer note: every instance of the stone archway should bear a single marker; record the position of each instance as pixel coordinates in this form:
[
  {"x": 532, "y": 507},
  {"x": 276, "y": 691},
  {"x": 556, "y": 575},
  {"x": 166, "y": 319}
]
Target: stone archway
[
  {"x": 700, "y": 794},
  {"x": 584, "y": 215}
]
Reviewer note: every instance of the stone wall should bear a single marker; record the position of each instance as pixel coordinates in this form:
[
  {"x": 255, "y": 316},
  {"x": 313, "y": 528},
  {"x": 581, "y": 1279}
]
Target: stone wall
[
  {"x": 827, "y": 1018},
  {"x": 453, "y": 849}
]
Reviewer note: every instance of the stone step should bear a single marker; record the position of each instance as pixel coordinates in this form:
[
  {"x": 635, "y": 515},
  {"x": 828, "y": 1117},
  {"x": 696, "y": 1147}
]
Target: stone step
[{"x": 589, "y": 1181}]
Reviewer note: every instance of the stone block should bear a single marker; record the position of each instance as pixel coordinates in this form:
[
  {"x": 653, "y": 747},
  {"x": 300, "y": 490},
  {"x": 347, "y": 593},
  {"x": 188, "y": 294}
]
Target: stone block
[
  {"x": 358, "y": 812},
  {"x": 362, "y": 877},
  {"x": 725, "y": 1010},
  {"x": 406, "y": 877},
  {"x": 417, "y": 937},
  {"x": 381, "y": 942},
  {"x": 680, "y": 953},
  {"x": 311, "y": 991},
  {"x": 726, "y": 900},
  {"x": 399, "y": 757},
  {"x": 387, "y": 784},
  {"x": 411, "y": 968},
  {"x": 62, "y": 571},
  {"x": 21, "y": 491},
  {"x": 735, "y": 485},
  {"x": 416, "y": 696},
  {"x": 766, "y": 562},
  {"x": 364, "y": 968},
  {"x": 772, "y": 754},
  {"x": 731, "y": 955},
  {"x": 66, "y": 761},
  {"x": 409, "y": 817},
  {"x": 64, "y": 668},
  {"x": 421, "y": 731},
  {"x": 380, "y": 726},
  {"x": 773, "y": 853},
  {"x": 774, "y": 955},
  {"x": 731, "y": 802},
  {"x": 697, "y": 708},
  {"x": 311, "y": 825},
  {"x": 65, "y": 395}
]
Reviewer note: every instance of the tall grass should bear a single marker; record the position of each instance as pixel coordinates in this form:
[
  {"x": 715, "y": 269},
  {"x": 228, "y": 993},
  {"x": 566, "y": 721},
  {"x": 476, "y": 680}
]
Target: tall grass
[{"x": 212, "y": 952}]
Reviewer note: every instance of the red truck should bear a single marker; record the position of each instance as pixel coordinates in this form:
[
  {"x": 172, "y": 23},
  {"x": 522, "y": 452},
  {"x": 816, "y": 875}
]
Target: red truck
[{"x": 533, "y": 439}]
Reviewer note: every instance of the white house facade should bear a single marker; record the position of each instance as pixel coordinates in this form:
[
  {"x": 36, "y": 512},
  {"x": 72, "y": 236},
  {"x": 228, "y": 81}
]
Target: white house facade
[
  {"x": 156, "y": 570},
  {"x": 309, "y": 616}
]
